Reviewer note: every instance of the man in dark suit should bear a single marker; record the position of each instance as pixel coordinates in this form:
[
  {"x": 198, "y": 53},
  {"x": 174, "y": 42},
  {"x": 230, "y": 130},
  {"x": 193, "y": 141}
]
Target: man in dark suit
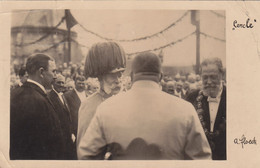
[
  {"x": 35, "y": 130},
  {"x": 61, "y": 107},
  {"x": 210, "y": 103},
  {"x": 74, "y": 99}
]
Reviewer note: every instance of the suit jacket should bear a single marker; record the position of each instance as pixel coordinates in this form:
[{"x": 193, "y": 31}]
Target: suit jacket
[
  {"x": 146, "y": 115},
  {"x": 66, "y": 122},
  {"x": 35, "y": 130},
  {"x": 74, "y": 102},
  {"x": 219, "y": 142}
]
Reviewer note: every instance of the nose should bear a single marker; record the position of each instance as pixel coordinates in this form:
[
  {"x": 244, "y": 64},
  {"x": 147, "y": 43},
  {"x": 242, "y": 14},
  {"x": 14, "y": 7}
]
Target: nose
[
  {"x": 82, "y": 84},
  {"x": 209, "y": 80},
  {"x": 54, "y": 75}
]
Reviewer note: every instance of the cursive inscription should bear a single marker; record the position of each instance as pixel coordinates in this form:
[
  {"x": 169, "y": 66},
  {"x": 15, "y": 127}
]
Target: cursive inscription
[
  {"x": 244, "y": 141},
  {"x": 246, "y": 25}
]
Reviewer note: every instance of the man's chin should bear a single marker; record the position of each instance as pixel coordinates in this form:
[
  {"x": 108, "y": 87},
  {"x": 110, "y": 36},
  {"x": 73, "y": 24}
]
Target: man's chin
[
  {"x": 116, "y": 90},
  {"x": 210, "y": 93}
]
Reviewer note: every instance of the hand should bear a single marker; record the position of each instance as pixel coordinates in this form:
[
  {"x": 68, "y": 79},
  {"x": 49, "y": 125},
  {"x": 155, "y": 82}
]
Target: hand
[{"x": 73, "y": 137}]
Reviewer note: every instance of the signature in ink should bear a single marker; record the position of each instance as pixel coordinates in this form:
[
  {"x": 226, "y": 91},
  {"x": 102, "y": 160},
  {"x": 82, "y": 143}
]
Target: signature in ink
[
  {"x": 247, "y": 25},
  {"x": 244, "y": 141}
]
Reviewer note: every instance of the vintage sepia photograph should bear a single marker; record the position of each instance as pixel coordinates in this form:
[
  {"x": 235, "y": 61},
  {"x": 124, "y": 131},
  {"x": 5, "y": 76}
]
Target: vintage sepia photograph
[{"x": 124, "y": 84}]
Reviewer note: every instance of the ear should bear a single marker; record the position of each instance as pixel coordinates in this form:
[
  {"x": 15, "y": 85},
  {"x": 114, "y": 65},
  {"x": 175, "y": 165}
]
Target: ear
[{"x": 41, "y": 72}]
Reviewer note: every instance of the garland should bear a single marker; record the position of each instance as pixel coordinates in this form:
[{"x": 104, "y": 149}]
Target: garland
[
  {"x": 139, "y": 38},
  {"x": 215, "y": 38},
  {"x": 45, "y": 36},
  {"x": 210, "y": 135}
]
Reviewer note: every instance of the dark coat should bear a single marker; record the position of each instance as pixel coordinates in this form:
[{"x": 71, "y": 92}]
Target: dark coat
[
  {"x": 65, "y": 120},
  {"x": 74, "y": 102},
  {"x": 219, "y": 147},
  {"x": 35, "y": 130}
]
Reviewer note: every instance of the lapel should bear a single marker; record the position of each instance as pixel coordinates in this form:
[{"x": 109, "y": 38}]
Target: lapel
[
  {"x": 205, "y": 107},
  {"x": 76, "y": 98},
  {"x": 56, "y": 97},
  {"x": 221, "y": 109},
  {"x": 64, "y": 106}
]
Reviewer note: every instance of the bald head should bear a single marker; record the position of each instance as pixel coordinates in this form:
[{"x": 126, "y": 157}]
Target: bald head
[{"x": 146, "y": 66}]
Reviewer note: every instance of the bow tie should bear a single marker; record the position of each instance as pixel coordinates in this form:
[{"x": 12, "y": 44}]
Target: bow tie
[{"x": 210, "y": 99}]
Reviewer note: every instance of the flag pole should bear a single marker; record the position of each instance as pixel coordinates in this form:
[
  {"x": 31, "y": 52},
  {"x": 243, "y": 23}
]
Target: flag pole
[
  {"x": 195, "y": 20},
  {"x": 70, "y": 22},
  {"x": 69, "y": 47}
]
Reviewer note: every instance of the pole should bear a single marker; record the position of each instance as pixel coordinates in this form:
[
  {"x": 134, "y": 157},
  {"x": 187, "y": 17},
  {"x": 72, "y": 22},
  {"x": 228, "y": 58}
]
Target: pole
[
  {"x": 195, "y": 20},
  {"x": 197, "y": 46},
  {"x": 69, "y": 47},
  {"x": 70, "y": 22}
]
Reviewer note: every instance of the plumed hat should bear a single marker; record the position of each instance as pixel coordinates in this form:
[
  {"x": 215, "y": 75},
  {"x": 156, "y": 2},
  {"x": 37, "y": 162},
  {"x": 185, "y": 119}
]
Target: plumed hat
[{"x": 103, "y": 58}]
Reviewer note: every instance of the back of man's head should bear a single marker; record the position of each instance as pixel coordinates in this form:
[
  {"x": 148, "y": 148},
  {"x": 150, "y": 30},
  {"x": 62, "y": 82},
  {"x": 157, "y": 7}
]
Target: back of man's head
[
  {"x": 146, "y": 66},
  {"x": 37, "y": 61}
]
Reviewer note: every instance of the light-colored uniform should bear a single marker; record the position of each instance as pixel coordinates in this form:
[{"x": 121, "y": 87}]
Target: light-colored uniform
[{"x": 148, "y": 113}]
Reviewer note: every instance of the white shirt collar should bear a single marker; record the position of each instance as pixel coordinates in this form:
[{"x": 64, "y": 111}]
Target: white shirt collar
[
  {"x": 57, "y": 92},
  {"x": 38, "y": 84}
]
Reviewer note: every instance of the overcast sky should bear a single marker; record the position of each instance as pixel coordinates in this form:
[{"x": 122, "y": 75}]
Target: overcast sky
[{"x": 130, "y": 24}]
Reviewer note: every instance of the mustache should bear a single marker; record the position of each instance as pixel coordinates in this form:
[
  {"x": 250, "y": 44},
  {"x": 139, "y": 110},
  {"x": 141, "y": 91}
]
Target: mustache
[{"x": 210, "y": 86}]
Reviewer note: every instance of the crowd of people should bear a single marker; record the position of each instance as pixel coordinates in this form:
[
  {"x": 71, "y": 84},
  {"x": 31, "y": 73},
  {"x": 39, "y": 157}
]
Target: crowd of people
[
  {"x": 179, "y": 85},
  {"x": 92, "y": 110},
  {"x": 69, "y": 72}
]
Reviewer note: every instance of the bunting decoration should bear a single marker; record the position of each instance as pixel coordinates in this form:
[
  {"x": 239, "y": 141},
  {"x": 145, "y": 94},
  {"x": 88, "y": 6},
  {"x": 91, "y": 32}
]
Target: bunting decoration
[
  {"x": 71, "y": 22},
  {"x": 215, "y": 38},
  {"x": 53, "y": 46},
  {"x": 140, "y": 38},
  {"x": 45, "y": 36},
  {"x": 162, "y": 47}
]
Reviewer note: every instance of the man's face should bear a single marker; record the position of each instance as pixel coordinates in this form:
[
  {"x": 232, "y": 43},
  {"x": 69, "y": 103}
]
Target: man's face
[
  {"x": 178, "y": 87},
  {"x": 170, "y": 88},
  {"x": 49, "y": 75},
  {"x": 211, "y": 80},
  {"x": 186, "y": 86},
  {"x": 59, "y": 84},
  {"x": 112, "y": 83},
  {"x": 80, "y": 85}
]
